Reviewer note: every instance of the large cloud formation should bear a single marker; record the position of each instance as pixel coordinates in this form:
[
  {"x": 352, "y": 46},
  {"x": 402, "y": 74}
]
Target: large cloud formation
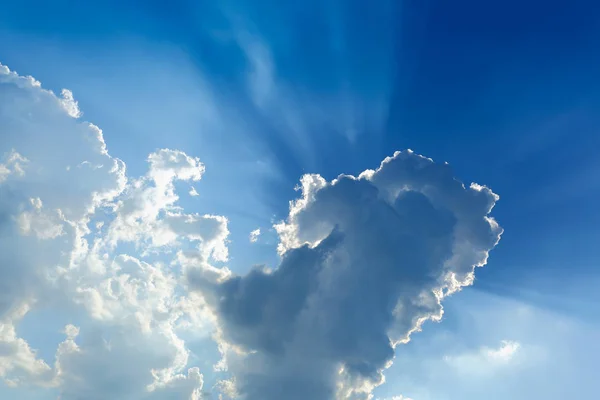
[
  {"x": 366, "y": 260},
  {"x": 69, "y": 220},
  {"x": 112, "y": 258}
]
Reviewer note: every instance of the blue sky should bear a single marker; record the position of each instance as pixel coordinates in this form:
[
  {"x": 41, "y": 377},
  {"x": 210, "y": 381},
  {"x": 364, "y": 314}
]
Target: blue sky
[{"x": 262, "y": 93}]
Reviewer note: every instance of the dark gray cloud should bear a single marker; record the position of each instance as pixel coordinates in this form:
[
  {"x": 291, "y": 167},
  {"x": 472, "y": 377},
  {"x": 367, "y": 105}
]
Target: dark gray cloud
[{"x": 365, "y": 262}]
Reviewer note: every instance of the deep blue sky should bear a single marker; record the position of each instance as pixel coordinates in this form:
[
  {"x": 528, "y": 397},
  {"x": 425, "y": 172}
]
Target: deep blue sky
[{"x": 507, "y": 92}]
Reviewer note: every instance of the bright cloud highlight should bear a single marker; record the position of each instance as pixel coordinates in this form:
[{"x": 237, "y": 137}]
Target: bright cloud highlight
[
  {"x": 68, "y": 211},
  {"x": 254, "y": 235}
]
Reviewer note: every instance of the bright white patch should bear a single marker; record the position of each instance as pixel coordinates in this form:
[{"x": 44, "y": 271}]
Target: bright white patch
[
  {"x": 193, "y": 192},
  {"x": 70, "y": 104},
  {"x": 504, "y": 353},
  {"x": 13, "y": 163},
  {"x": 18, "y": 362},
  {"x": 44, "y": 224},
  {"x": 254, "y": 235},
  {"x": 59, "y": 183},
  {"x": 486, "y": 360},
  {"x": 168, "y": 165}
]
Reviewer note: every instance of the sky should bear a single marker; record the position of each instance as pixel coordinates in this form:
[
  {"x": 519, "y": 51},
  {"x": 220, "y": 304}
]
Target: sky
[{"x": 329, "y": 200}]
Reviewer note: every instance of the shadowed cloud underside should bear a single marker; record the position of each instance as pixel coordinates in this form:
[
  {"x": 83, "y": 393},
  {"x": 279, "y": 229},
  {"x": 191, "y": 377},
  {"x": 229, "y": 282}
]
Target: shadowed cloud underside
[{"x": 366, "y": 260}]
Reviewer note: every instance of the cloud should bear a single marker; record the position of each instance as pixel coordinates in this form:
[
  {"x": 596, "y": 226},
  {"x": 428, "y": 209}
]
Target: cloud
[
  {"x": 366, "y": 260},
  {"x": 70, "y": 104},
  {"x": 504, "y": 353},
  {"x": 147, "y": 211},
  {"x": 499, "y": 347},
  {"x": 486, "y": 360},
  {"x": 18, "y": 361},
  {"x": 14, "y": 163},
  {"x": 110, "y": 257},
  {"x": 100, "y": 368},
  {"x": 70, "y": 220},
  {"x": 254, "y": 235}
]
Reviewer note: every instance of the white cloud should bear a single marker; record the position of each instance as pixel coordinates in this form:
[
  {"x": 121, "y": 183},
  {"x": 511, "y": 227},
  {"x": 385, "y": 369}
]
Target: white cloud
[
  {"x": 498, "y": 347},
  {"x": 67, "y": 210},
  {"x": 44, "y": 224},
  {"x": 13, "y": 163},
  {"x": 504, "y": 353},
  {"x": 70, "y": 104},
  {"x": 123, "y": 366},
  {"x": 148, "y": 212},
  {"x": 254, "y": 235},
  {"x": 365, "y": 262},
  {"x": 18, "y": 361},
  {"x": 486, "y": 360},
  {"x": 167, "y": 166}
]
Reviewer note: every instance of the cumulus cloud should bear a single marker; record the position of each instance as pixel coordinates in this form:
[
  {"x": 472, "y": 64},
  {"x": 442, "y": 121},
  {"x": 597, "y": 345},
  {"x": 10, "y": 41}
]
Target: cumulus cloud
[
  {"x": 13, "y": 163},
  {"x": 147, "y": 211},
  {"x": 70, "y": 104},
  {"x": 254, "y": 235},
  {"x": 68, "y": 217},
  {"x": 18, "y": 361},
  {"x": 366, "y": 260}
]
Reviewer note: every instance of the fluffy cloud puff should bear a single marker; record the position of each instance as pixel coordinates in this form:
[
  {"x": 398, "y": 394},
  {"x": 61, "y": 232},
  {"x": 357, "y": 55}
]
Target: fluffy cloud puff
[
  {"x": 366, "y": 260},
  {"x": 68, "y": 214},
  {"x": 254, "y": 235}
]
